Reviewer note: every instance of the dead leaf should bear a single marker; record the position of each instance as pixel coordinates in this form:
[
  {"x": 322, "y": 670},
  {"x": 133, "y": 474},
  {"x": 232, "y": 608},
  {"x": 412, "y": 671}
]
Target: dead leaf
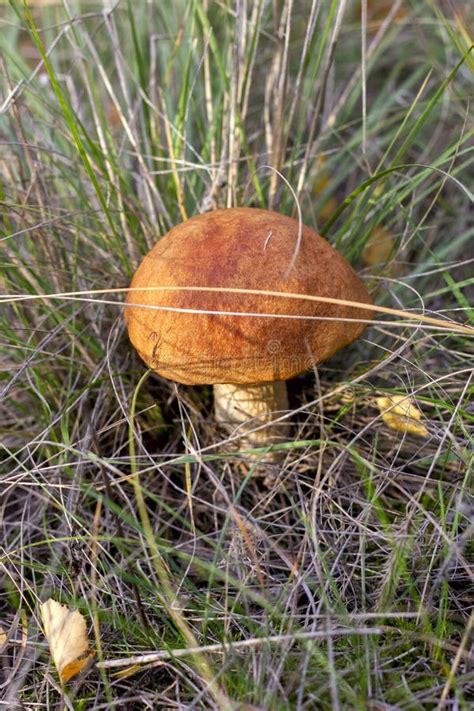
[
  {"x": 129, "y": 671},
  {"x": 66, "y": 633},
  {"x": 377, "y": 11},
  {"x": 322, "y": 178},
  {"x": 378, "y": 247},
  {"x": 321, "y": 181},
  {"x": 3, "y": 636},
  {"x": 399, "y": 413},
  {"x": 328, "y": 208}
]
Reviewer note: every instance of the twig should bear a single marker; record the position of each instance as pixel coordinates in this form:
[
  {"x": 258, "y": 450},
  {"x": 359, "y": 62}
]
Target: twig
[{"x": 223, "y": 647}]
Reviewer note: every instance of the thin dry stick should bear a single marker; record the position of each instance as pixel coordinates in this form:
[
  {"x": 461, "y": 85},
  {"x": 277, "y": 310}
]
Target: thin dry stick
[
  {"x": 421, "y": 318},
  {"x": 229, "y": 647}
]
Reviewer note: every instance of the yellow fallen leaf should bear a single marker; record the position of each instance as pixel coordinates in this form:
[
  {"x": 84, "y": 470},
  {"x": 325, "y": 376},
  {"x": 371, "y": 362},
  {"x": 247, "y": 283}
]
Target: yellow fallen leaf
[
  {"x": 322, "y": 179},
  {"x": 377, "y": 11},
  {"x": 378, "y": 247},
  {"x": 129, "y": 671},
  {"x": 66, "y": 633},
  {"x": 399, "y": 413},
  {"x": 321, "y": 182},
  {"x": 3, "y": 636},
  {"x": 329, "y": 207}
]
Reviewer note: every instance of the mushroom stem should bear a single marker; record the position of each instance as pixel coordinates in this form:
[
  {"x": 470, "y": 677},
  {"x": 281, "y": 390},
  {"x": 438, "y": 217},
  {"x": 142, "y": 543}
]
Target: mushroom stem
[{"x": 245, "y": 408}]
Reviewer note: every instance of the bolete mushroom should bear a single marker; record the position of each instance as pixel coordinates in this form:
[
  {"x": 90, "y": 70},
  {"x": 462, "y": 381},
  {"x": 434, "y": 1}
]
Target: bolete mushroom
[{"x": 190, "y": 322}]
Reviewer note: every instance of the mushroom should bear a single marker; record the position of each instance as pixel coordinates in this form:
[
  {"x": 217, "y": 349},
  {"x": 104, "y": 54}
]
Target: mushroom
[{"x": 195, "y": 315}]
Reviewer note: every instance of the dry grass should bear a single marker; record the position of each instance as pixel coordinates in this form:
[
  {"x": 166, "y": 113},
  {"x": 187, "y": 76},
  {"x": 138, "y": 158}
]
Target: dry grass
[{"x": 345, "y": 579}]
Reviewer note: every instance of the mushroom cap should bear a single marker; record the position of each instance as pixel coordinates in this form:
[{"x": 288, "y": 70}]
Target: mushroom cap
[{"x": 241, "y": 248}]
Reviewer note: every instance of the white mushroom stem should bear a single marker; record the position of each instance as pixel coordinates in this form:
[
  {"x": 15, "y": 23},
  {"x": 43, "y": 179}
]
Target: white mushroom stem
[{"x": 243, "y": 409}]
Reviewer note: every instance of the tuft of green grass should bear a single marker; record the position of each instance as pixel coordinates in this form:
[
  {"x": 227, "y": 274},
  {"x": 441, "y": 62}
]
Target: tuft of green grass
[{"x": 347, "y": 581}]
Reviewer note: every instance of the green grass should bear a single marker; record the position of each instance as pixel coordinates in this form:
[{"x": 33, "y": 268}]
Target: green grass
[{"x": 347, "y": 583}]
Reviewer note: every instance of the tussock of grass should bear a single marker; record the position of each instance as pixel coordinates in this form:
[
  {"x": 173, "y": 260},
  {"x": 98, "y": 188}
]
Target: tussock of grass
[{"x": 345, "y": 580}]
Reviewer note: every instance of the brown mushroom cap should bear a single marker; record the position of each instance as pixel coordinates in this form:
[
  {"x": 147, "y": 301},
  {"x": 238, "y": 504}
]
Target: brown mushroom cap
[{"x": 244, "y": 248}]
